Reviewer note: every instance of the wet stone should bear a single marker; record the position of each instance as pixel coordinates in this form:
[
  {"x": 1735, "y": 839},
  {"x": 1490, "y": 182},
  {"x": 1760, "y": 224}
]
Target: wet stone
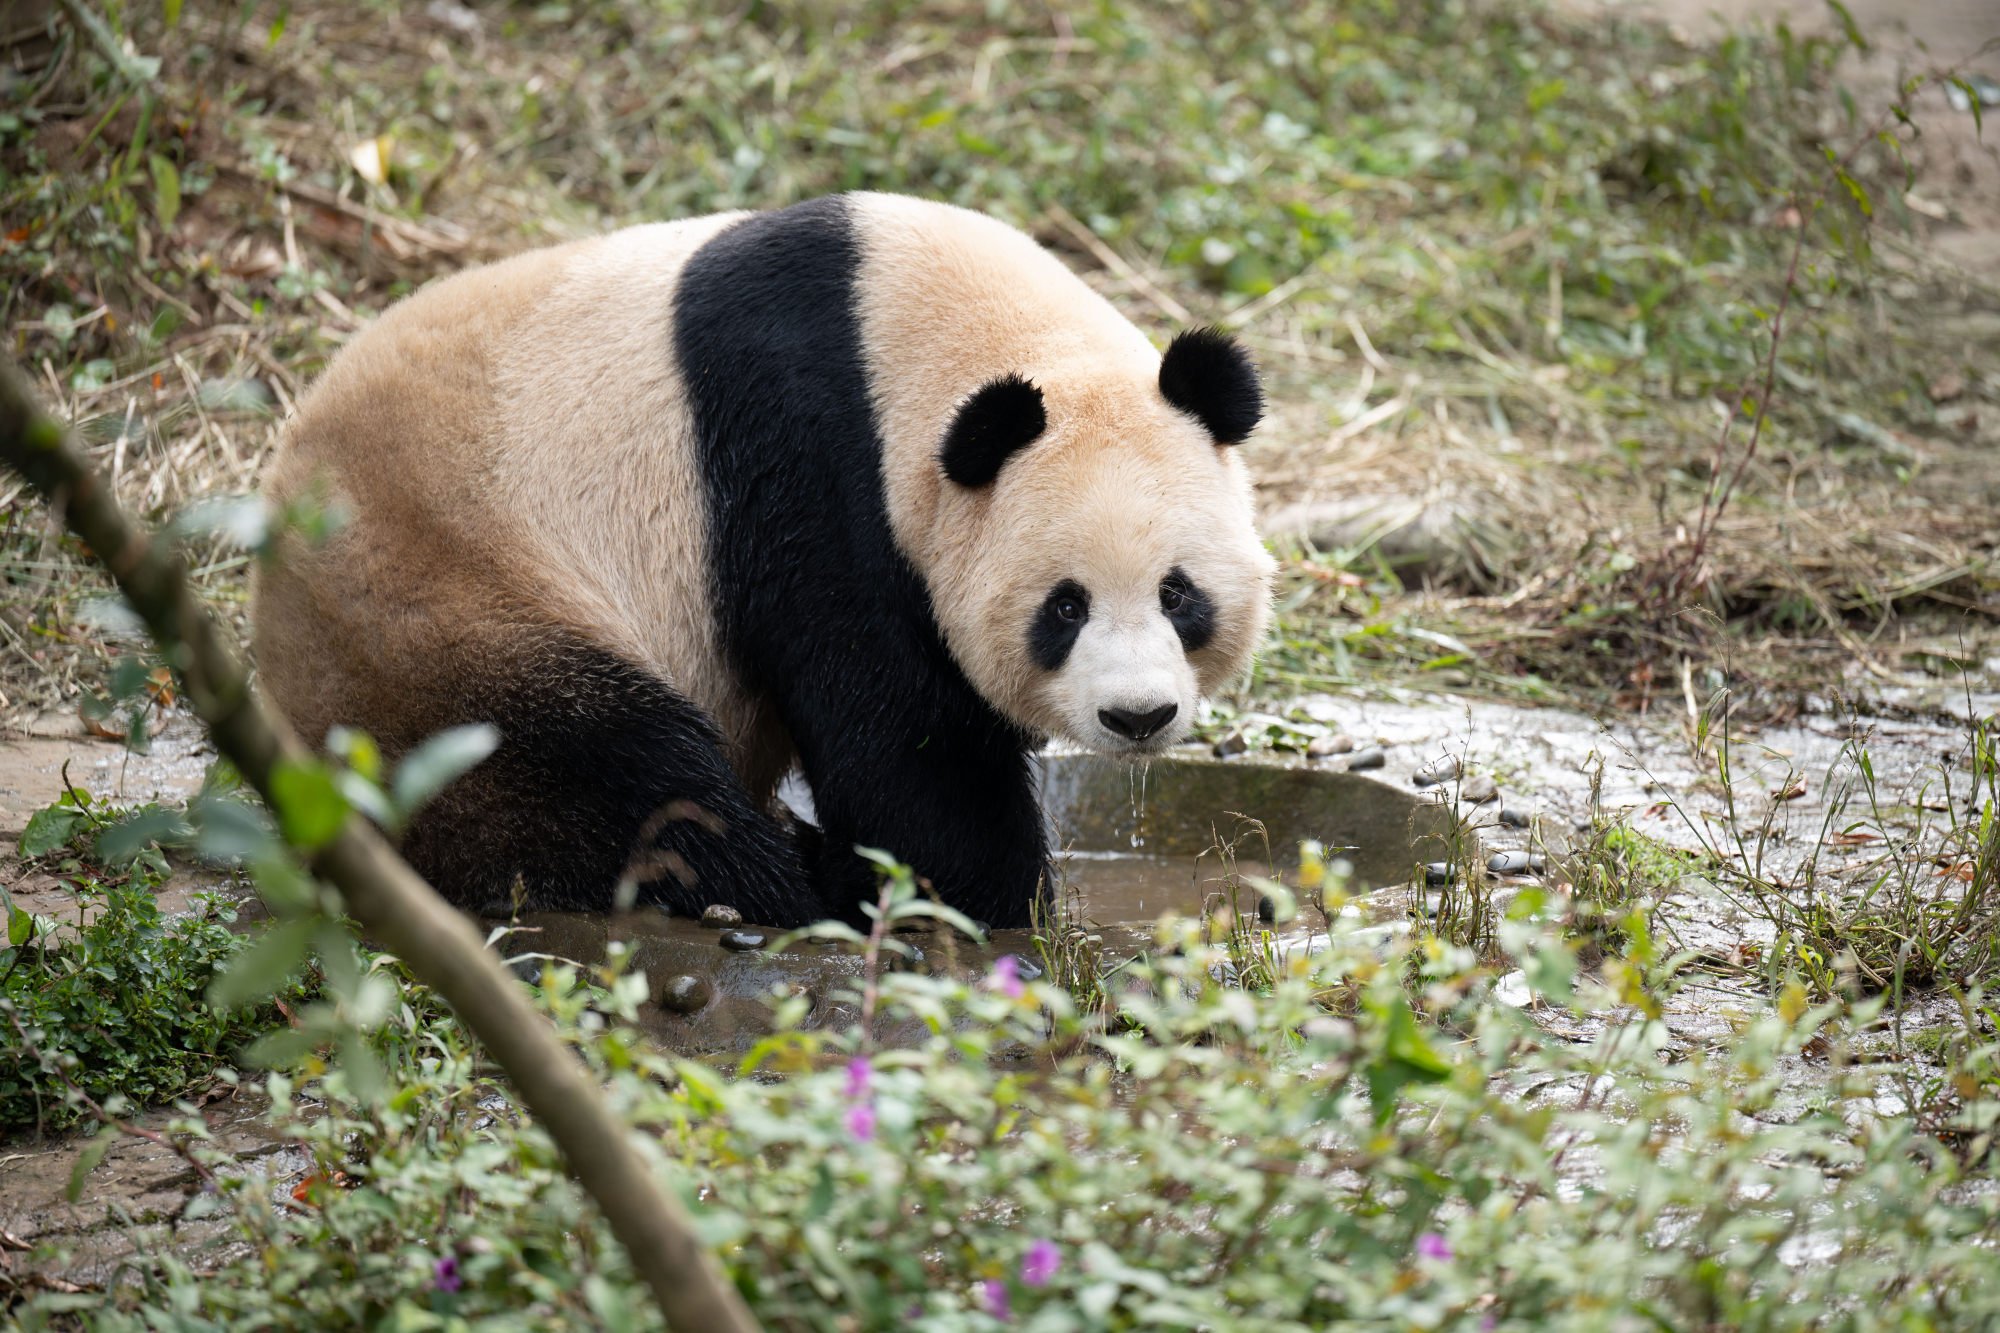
[
  {"x": 744, "y": 941},
  {"x": 1235, "y": 742},
  {"x": 1517, "y": 863},
  {"x": 1436, "y": 771},
  {"x": 795, "y": 990},
  {"x": 1366, "y": 760},
  {"x": 686, "y": 994},
  {"x": 718, "y": 916},
  {"x": 1437, "y": 874},
  {"x": 1478, "y": 789},
  {"x": 1267, "y": 909},
  {"x": 1513, "y": 818},
  {"x": 1026, "y": 970},
  {"x": 1322, "y": 746}
]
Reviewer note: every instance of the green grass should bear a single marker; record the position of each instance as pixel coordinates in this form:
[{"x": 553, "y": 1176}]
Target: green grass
[
  {"x": 1536, "y": 277},
  {"x": 109, "y": 1010}
]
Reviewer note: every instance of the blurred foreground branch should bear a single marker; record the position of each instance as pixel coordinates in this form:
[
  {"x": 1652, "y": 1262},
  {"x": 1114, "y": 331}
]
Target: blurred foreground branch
[{"x": 378, "y": 889}]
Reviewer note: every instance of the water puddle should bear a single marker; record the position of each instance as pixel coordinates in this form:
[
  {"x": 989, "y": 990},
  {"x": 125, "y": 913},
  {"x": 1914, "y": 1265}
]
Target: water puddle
[{"x": 1136, "y": 843}]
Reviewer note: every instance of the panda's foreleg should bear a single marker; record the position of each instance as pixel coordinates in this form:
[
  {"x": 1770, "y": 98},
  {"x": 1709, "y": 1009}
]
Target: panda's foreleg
[
  {"x": 959, "y": 808},
  {"x": 604, "y": 774}
]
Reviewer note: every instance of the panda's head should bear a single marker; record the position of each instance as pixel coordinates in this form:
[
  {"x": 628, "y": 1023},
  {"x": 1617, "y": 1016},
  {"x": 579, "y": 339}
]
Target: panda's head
[{"x": 1106, "y": 570}]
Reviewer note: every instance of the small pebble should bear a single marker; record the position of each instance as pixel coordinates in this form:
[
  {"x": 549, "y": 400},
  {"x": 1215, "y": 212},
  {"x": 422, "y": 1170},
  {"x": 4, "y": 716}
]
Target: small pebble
[
  {"x": 718, "y": 916},
  {"x": 1366, "y": 760},
  {"x": 743, "y": 941},
  {"x": 1026, "y": 970},
  {"x": 1513, "y": 818},
  {"x": 1322, "y": 746},
  {"x": 1437, "y": 874},
  {"x": 1436, "y": 771},
  {"x": 1517, "y": 863},
  {"x": 1478, "y": 789},
  {"x": 1267, "y": 909},
  {"x": 795, "y": 990},
  {"x": 686, "y": 994}
]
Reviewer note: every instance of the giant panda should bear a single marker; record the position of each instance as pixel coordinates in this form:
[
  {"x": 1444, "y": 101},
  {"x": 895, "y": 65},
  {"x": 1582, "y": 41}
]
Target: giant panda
[{"x": 870, "y": 486}]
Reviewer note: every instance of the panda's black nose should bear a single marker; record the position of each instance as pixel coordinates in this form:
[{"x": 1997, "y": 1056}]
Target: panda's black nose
[{"x": 1137, "y": 726}]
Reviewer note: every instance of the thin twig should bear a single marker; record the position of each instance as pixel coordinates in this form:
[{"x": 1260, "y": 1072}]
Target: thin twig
[{"x": 1116, "y": 262}]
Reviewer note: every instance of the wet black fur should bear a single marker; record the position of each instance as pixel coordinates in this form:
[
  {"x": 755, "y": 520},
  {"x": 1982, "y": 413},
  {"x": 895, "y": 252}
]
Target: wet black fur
[
  {"x": 603, "y": 771},
  {"x": 1206, "y": 374},
  {"x": 819, "y": 611},
  {"x": 1004, "y": 417}
]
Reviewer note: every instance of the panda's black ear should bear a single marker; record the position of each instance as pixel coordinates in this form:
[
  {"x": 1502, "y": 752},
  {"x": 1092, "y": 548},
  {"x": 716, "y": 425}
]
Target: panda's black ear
[
  {"x": 1003, "y": 417},
  {"x": 1208, "y": 375}
]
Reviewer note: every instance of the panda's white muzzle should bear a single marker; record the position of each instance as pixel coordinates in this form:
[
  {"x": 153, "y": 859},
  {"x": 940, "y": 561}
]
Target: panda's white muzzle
[{"x": 1127, "y": 687}]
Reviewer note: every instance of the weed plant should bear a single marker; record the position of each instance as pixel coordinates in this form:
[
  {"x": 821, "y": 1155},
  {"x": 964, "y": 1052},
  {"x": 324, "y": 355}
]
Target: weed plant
[
  {"x": 108, "y": 1010},
  {"x": 1220, "y": 1158}
]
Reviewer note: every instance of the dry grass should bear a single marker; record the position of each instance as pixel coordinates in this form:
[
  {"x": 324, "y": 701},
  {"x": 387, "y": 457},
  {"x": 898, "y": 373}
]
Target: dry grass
[{"x": 1521, "y": 326}]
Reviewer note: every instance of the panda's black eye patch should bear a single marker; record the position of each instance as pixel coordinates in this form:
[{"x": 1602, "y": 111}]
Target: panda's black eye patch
[
  {"x": 1057, "y": 623},
  {"x": 1188, "y": 609}
]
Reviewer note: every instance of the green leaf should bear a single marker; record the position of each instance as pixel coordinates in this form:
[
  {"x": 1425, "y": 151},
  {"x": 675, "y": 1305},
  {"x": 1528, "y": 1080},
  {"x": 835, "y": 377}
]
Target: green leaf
[
  {"x": 120, "y": 843},
  {"x": 429, "y": 768},
  {"x": 1848, "y": 26},
  {"x": 260, "y": 970},
  {"x": 280, "y": 1049},
  {"x": 239, "y": 521},
  {"x": 1407, "y": 1056},
  {"x": 166, "y": 191},
  {"x": 1860, "y": 195},
  {"x": 310, "y": 806},
  {"x": 951, "y": 916},
  {"x": 1973, "y": 101},
  {"x": 365, "y": 1076},
  {"x": 50, "y": 829},
  {"x": 87, "y": 1160},
  {"x": 20, "y": 925},
  {"x": 229, "y": 829}
]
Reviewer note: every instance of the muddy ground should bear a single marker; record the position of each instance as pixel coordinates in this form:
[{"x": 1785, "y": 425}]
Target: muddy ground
[{"x": 1142, "y": 844}]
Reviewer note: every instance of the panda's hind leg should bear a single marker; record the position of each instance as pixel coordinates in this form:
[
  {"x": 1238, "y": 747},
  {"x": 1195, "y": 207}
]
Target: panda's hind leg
[{"x": 604, "y": 773}]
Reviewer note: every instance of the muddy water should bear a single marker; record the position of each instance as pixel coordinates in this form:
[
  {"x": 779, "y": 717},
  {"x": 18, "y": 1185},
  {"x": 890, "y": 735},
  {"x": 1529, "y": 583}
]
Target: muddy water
[{"x": 1135, "y": 845}]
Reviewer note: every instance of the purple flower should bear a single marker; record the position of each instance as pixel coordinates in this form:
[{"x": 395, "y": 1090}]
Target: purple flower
[
  {"x": 1006, "y": 976},
  {"x": 1431, "y": 1245},
  {"x": 994, "y": 1292},
  {"x": 861, "y": 1121},
  {"x": 444, "y": 1274},
  {"x": 1040, "y": 1263},
  {"x": 859, "y": 1071}
]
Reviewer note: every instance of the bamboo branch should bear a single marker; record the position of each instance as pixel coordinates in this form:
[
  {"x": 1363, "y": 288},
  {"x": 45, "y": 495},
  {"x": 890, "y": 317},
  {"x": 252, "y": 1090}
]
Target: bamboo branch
[{"x": 379, "y": 889}]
